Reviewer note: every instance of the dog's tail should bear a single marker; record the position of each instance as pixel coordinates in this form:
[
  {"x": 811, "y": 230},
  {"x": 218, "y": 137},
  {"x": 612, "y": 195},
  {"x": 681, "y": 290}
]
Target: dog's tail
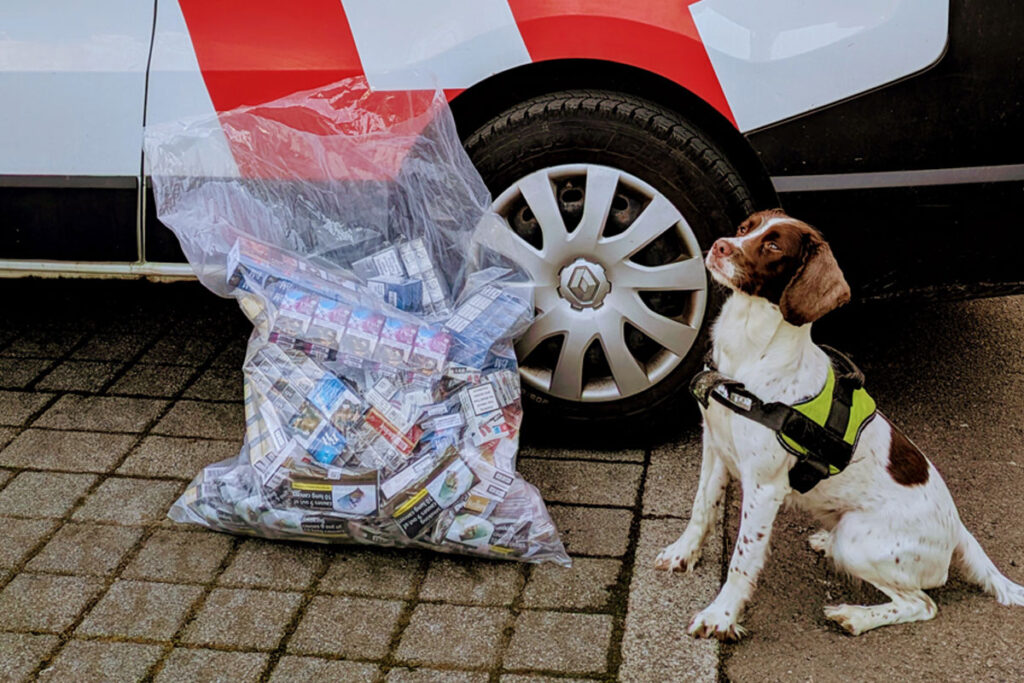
[{"x": 980, "y": 569}]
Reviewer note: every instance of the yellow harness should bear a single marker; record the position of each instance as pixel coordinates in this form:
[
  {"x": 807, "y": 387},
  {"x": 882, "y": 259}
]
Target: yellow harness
[
  {"x": 821, "y": 431},
  {"x": 823, "y": 405}
]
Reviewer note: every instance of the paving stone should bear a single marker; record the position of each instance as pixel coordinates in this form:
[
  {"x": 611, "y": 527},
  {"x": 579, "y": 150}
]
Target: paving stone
[
  {"x": 452, "y": 635},
  {"x": 86, "y": 549},
  {"x": 20, "y": 536},
  {"x": 536, "y": 678},
  {"x": 22, "y": 653},
  {"x": 375, "y": 573},
  {"x": 592, "y": 531},
  {"x": 68, "y": 451},
  {"x": 268, "y": 564},
  {"x": 346, "y": 627},
  {"x": 101, "y": 413},
  {"x": 181, "y": 350},
  {"x": 472, "y": 582},
  {"x": 218, "y": 383},
  {"x": 43, "y": 494},
  {"x": 210, "y": 420},
  {"x": 292, "y": 668},
  {"x": 129, "y": 501},
  {"x": 5, "y": 476},
  {"x": 594, "y": 483},
  {"x": 153, "y": 380},
  {"x": 6, "y": 437},
  {"x": 17, "y": 373},
  {"x": 587, "y": 585},
  {"x": 112, "y": 345},
  {"x": 170, "y": 456},
  {"x": 661, "y": 604},
  {"x": 672, "y": 477},
  {"x": 138, "y": 609},
  {"x": 406, "y": 675},
  {"x": 18, "y": 406},
  {"x": 189, "y": 665},
  {"x": 234, "y": 355},
  {"x": 79, "y": 375},
  {"x": 180, "y": 556},
  {"x": 44, "y": 341},
  {"x": 37, "y": 602},
  {"x": 560, "y": 641},
  {"x": 85, "y": 661},
  {"x": 627, "y": 455},
  {"x": 233, "y": 617}
]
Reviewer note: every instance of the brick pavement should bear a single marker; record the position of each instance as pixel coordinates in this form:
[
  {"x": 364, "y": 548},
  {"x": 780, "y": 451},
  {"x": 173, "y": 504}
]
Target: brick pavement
[{"x": 113, "y": 396}]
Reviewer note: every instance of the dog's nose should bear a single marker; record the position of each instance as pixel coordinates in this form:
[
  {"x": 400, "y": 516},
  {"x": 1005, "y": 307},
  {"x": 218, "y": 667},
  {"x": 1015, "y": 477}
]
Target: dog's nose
[{"x": 722, "y": 247}]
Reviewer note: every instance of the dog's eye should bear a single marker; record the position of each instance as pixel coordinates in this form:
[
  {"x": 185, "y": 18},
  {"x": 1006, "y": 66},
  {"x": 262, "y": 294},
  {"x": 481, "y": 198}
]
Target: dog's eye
[
  {"x": 742, "y": 230},
  {"x": 772, "y": 246}
]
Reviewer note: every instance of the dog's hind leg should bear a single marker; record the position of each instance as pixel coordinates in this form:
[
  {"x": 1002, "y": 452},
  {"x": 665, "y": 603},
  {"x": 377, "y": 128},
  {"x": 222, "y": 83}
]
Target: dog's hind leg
[
  {"x": 683, "y": 554},
  {"x": 906, "y": 606},
  {"x": 896, "y": 554}
]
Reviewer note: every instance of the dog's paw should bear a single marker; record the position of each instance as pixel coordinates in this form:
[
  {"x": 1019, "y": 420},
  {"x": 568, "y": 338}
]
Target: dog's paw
[
  {"x": 713, "y": 622},
  {"x": 848, "y": 617},
  {"x": 821, "y": 541},
  {"x": 678, "y": 557}
]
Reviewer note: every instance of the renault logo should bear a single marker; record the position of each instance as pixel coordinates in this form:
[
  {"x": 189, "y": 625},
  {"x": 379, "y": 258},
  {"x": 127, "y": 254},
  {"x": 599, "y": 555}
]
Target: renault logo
[{"x": 583, "y": 284}]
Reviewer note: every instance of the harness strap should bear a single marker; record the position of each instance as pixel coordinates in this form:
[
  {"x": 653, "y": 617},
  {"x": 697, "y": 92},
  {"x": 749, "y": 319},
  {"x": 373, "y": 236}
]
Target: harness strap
[{"x": 827, "y": 452}]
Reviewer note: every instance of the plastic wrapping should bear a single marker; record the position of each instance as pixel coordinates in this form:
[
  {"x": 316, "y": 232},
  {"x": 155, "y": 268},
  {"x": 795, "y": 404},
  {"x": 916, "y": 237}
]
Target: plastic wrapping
[{"x": 382, "y": 396}]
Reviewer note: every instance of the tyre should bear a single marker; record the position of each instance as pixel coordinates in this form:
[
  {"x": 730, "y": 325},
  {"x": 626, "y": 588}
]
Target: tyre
[{"x": 613, "y": 200}]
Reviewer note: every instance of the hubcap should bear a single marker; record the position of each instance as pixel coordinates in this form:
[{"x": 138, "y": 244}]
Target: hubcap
[{"x": 619, "y": 282}]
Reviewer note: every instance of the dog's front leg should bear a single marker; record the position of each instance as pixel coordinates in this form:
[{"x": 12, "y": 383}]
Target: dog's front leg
[
  {"x": 683, "y": 554},
  {"x": 720, "y": 619}
]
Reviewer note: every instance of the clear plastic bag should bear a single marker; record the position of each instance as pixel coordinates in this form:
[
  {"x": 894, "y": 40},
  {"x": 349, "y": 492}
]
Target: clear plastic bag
[{"x": 382, "y": 396}]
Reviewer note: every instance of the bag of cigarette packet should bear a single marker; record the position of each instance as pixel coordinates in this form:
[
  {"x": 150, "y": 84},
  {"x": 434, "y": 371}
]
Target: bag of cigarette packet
[{"x": 382, "y": 397}]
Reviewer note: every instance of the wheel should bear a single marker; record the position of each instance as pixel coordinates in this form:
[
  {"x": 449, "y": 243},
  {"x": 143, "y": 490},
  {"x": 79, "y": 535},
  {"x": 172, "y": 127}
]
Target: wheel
[{"x": 613, "y": 200}]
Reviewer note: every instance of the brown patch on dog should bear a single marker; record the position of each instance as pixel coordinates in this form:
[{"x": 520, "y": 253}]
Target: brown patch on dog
[
  {"x": 754, "y": 220},
  {"x": 907, "y": 466},
  {"x": 817, "y": 287},
  {"x": 790, "y": 265}
]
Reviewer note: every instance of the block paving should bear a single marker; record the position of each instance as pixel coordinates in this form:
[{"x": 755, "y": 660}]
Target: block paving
[
  {"x": 113, "y": 396},
  {"x": 107, "y": 412}
]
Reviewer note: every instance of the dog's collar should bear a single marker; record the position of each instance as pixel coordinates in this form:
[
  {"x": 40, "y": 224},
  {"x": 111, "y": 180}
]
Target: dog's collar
[{"x": 821, "y": 431}]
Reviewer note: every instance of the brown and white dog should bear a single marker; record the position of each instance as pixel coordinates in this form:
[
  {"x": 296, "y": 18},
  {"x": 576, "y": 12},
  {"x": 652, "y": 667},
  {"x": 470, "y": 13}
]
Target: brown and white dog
[{"x": 888, "y": 518}]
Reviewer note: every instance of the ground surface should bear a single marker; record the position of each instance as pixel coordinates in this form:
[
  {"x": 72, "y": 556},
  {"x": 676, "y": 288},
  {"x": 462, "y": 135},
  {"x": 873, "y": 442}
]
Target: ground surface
[{"x": 113, "y": 396}]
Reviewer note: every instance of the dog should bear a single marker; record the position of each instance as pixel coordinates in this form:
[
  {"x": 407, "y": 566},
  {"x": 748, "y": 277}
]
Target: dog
[{"x": 887, "y": 518}]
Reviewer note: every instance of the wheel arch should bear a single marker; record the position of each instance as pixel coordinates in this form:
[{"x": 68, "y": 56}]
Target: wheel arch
[{"x": 475, "y": 106}]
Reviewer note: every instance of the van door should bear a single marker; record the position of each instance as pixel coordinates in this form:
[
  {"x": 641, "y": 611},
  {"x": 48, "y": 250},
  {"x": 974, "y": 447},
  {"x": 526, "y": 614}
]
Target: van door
[{"x": 73, "y": 76}]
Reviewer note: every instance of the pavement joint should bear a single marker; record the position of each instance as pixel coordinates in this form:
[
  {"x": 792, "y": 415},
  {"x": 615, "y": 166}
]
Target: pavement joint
[
  {"x": 119, "y": 432},
  {"x": 619, "y": 600},
  {"x": 176, "y": 641},
  {"x": 30, "y": 386},
  {"x": 289, "y": 630},
  {"x": 390, "y": 660},
  {"x": 506, "y": 635},
  {"x": 585, "y": 461}
]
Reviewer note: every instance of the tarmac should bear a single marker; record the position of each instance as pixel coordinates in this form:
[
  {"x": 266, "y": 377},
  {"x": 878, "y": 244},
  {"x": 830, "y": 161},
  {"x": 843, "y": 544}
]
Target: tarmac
[{"x": 114, "y": 395}]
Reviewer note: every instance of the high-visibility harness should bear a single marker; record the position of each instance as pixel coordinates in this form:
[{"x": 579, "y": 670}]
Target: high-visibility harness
[{"x": 822, "y": 431}]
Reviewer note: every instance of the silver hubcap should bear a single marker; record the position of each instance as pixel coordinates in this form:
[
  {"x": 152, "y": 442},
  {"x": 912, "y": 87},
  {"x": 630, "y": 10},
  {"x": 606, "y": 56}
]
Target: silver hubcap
[{"x": 620, "y": 282}]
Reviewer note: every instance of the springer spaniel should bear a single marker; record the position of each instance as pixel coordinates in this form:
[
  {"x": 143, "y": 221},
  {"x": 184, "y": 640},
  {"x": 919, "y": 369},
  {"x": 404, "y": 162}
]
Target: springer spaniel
[{"x": 888, "y": 518}]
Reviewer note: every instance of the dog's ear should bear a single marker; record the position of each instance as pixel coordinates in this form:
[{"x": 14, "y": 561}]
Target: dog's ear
[{"x": 817, "y": 287}]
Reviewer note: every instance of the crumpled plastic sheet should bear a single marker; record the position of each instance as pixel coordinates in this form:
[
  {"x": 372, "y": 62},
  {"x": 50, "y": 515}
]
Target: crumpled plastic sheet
[{"x": 382, "y": 396}]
